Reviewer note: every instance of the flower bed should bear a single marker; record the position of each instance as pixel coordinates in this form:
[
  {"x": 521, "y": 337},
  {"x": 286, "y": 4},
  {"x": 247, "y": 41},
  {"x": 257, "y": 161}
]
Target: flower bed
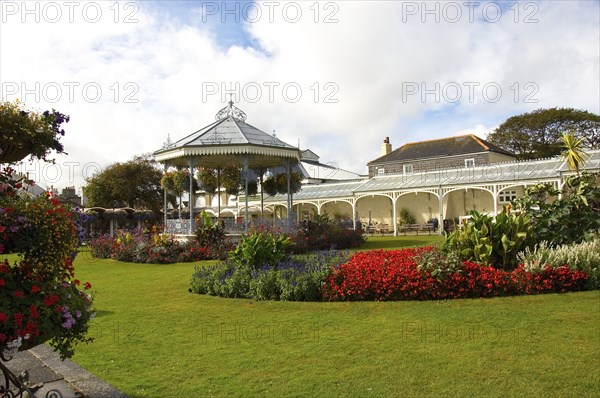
[
  {"x": 299, "y": 278},
  {"x": 320, "y": 233},
  {"x": 138, "y": 247},
  {"x": 395, "y": 275}
]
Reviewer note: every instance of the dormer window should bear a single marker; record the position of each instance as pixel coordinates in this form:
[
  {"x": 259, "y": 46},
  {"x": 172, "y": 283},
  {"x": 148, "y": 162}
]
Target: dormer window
[
  {"x": 407, "y": 168},
  {"x": 469, "y": 163},
  {"x": 381, "y": 171}
]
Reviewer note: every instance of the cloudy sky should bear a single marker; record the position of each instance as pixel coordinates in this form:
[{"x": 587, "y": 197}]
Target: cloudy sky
[{"x": 335, "y": 76}]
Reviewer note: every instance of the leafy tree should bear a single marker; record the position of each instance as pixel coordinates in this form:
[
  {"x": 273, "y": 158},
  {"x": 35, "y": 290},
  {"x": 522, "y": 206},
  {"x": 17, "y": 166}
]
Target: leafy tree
[
  {"x": 573, "y": 153},
  {"x": 538, "y": 134},
  {"x": 135, "y": 183}
]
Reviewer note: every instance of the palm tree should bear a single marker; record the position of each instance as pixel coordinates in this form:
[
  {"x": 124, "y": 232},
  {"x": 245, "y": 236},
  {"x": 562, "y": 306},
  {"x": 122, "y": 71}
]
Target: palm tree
[{"x": 574, "y": 152}]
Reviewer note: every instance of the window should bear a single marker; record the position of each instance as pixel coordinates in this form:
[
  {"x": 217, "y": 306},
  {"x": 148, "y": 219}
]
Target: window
[
  {"x": 407, "y": 169},
  {"x": 469, "y": 163},
  {"x": 507, "y": 196},
  {"x": 381, "y": 171}
]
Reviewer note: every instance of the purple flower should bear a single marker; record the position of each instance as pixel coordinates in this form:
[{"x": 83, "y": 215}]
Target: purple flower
[
  {"x": 68, "y": 324},
  {"x": 69, "y": 321}
]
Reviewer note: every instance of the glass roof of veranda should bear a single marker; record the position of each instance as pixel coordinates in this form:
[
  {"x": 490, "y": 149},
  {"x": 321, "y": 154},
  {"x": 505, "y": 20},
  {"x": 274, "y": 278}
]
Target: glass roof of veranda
[{"x": 501, "y": 173}]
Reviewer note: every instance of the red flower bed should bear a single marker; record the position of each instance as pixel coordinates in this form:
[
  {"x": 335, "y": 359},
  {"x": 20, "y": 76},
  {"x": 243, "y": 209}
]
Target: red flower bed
[{"x": 394, "y": 275}]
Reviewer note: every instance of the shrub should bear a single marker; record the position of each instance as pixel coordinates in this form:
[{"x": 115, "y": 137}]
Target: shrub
[
  {"x": 492, "y": 241},
  {"x": 322, "y": 233},
  {"x": 405, "y": 217},
  {"x": 208, "y": 232},
  {"x": 583, "y": 256},
  {"x": 572, "y": 218},
  {"x": 437, "y": 263},
  {"x": 299, "y": 278},
  {"x": 258, "y": 249}
]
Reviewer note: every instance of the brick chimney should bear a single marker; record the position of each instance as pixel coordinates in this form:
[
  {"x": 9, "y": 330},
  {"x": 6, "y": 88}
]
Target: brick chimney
[{"x": 386, "y": 147}]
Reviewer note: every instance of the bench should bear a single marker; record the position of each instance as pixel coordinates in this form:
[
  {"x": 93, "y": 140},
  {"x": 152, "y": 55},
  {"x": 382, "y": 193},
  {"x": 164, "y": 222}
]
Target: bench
[
  {"x": 417, "y": 228},
  {"x": 379, "y": 228}
]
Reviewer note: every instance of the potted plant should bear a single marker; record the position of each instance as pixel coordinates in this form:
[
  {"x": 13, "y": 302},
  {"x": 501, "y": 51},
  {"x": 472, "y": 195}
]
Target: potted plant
[
  {"x": 230, "y": 179},
  {"x": 269, "y": 185},
  {"x": 208, "y": 180},
  {"x": 24, "y": 133},
  {"x": 295, "y": 182}
]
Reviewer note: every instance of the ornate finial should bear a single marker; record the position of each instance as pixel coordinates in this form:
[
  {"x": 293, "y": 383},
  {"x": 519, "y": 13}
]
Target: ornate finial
[
  {"x": 231, "y": 111},
  {"x": 167, "y": 144},
  {"x": 274, "y": 141}
]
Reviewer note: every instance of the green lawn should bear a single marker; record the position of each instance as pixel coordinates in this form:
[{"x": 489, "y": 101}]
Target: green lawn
[{"x": 154, "y": 339}]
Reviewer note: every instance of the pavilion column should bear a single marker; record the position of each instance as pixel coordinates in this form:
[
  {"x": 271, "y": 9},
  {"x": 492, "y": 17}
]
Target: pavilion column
[
  {"x": 441, "y": 210},
  {"x": 353, "y": 214},
  {"x": 191, "y": 196},
  {"x": 246, "y": 192},
  {"x": 165, "y": 202},
  {"x": 219, "y": 193},
  {"x": 495, "y": 196},
  {"x": 262, "y": 199},
  {"x": 289, "y": 190},
  {"x": 395, "y": 221}
]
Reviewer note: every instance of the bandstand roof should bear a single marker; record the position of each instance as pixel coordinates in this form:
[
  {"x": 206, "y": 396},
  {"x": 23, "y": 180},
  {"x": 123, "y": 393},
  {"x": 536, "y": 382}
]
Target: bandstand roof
[{"x": 228, "y": 141}]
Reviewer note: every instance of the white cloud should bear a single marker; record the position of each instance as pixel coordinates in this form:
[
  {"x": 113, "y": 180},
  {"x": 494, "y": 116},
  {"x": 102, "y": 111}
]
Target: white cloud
[{"x": 365, "y": 61}]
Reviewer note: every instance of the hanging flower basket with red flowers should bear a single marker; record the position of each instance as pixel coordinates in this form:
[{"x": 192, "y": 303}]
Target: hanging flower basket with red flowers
[{"x": 40, "y": 299}]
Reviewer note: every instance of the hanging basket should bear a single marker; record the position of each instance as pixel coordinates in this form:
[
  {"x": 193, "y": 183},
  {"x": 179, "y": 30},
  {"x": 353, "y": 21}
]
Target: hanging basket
[
  {"x": 117, "y": 215},
  {"x": 12, "y": 153}
]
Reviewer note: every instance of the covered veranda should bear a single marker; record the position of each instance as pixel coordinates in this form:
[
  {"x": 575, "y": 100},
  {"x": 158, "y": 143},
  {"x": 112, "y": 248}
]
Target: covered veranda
[{"x": 446, "y": 194}]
